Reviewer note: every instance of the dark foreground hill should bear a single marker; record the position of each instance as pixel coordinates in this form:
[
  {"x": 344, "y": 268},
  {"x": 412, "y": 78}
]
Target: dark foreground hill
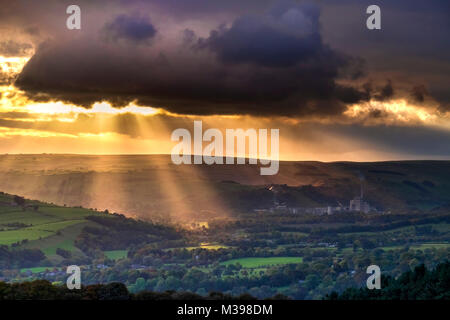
[
  {"x": 420, "y": 284},
  {"x": 150, "y": 186},
  {"x": 44, "y": 290}
]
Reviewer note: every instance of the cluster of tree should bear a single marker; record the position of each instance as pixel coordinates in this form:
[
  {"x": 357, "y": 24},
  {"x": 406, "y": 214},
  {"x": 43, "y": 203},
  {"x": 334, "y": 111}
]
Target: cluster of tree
[
  {"x": 357, "y": 222},
  {"x": 118, "y": 232},
  {"x": 19, "y": 200},
  {"x": 388, "y": 226},
  {"x": 343, "y": 229},
  {"x": 419, "y": 284},
  {"x": 247, "y": 200},
  {"x": 44, "y": 290},
  {"x": 14, "y": 226},
  {"x": 66, "y": 254},
  {"x": 19, "y": 258},
  {"x": 149, "y": 255},
  {"x": 320, "y": 273}
]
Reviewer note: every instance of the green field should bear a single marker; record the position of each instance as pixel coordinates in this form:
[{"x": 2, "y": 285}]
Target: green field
[
  {"x": 66, "y": 244},
  {"x": 64, "y": 239},
  {"x": 422, "y": 246},
  {"x": 37, "y": 230},
  {"x": 47, "y": 228},
  {"x": 263, "y": 262},
  {"x": 116, "y": 254},
  {"x": 38, "y": 269}
]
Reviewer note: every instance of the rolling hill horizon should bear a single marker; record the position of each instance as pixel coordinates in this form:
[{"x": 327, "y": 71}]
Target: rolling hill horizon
[
  {"x": 247, "y": 158},
  {"x": 151, "y": 187}
]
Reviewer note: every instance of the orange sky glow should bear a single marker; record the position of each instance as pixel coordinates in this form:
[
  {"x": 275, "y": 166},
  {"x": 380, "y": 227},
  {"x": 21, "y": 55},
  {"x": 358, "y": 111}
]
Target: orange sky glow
[{"x": 29, "y": 126}]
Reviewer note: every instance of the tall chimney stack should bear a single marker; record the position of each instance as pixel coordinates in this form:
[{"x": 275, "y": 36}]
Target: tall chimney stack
[{"x": 362, "y": 191}]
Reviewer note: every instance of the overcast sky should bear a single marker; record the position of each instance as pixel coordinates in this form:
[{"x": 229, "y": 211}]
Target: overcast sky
[{"x": 337, "y": 89}]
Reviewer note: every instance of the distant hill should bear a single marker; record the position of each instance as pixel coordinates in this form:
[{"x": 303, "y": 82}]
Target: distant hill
[{"x": 151, "y": 187}]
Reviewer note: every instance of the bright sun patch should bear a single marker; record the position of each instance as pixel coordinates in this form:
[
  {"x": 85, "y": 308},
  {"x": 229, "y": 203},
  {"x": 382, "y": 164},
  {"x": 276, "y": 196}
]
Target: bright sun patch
[{"x": 396, "y": 112}]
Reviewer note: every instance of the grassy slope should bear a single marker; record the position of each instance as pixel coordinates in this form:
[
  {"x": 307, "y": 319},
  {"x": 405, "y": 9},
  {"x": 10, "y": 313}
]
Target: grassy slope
[
  {"x": 49, "y": 228},
  {"x": 116, "y": 254},
  {"x": 263, "y": 262}
]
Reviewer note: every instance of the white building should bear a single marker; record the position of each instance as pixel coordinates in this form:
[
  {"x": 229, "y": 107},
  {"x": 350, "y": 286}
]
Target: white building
[{"x": 358, "y": 204}]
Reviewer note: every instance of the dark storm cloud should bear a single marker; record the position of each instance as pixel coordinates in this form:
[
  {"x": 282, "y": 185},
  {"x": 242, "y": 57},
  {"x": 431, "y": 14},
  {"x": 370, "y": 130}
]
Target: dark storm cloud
[
  {"x": 188, "y": 36},
  {"x": 284, "y": 37},
  {"x": 385, "y": 92},
  {"x": 370, "y": 91},
  {"x": 12, "y": 48},
  {"x": 256, "y": 56},
  {"x": 351, "y": 95},
  {"x": 419, "y": 93},
  {"x": 267, "y": 64},
  {"x": 411, "y": 48},
  {"x": 134, "y": 28}
]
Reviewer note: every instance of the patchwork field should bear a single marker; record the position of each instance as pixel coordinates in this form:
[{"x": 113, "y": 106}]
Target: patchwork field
[
  {"x": 42, "y": 226},
  {"x": 263, "y": 262}
]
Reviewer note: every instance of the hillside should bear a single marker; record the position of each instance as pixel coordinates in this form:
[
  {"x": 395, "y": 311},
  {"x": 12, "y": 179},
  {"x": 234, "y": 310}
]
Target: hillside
[
  {"x": 151, "y": 187},
  {"x": 262, "y": 254},
  {"x": 67, "y": 234}
]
